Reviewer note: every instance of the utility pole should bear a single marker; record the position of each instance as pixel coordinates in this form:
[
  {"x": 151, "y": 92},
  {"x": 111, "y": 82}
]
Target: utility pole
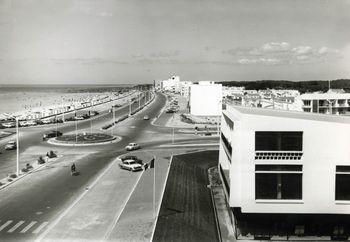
[
  {"x": 139, "y": 97},
  {"x": 91, "y": 104},
  {"x": 129, "y": 106},
  {"x": 113, "y": 114},
  {"x": 17, "y": 149},
  {"x": 154, "y": 188},
  {"x": 56, "y": 124},
  {"x": 76, "y": 131}
]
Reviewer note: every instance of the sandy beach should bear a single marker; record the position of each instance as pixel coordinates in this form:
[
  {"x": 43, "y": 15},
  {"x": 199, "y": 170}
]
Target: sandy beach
[{"x": 30, "y": 105}]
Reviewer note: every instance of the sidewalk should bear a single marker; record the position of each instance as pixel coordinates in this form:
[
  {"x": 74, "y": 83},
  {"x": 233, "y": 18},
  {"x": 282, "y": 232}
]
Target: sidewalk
[
  {"x": 224, "y": 223},
  {"x": 116, "y": 206}
]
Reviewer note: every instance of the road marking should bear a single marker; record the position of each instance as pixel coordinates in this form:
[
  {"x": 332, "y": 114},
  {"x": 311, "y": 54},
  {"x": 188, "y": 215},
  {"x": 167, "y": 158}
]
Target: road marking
[
  {"x": 5, "y": 225},
  {"x": 16, "y": 226},
  {"x": 109, "y": 231},
  {"x": 65, "y": 212},
  {"x": 28, "y": 227},
  {"x": 38, "y": 229},
  {"x": 190, "y": 145}
]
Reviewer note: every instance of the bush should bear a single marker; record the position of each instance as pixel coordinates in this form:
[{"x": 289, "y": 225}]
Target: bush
[
  {"x": 1, "y": 184},
  {"x": 24, "y": 170},
  {"x": 9, "y": 180},
  {"x": 29, "y": 166},
  {"x": 12, "y": 175},
  {"x": 41, "y": 160},
  {"x": 51, "y": 154}
]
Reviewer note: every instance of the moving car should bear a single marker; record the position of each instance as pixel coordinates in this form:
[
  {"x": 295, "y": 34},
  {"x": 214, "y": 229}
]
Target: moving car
[
  {"x": 132, "y": 146},
  {"x": 131, "y": 165},
  {"x": 11, "y": 145},
  {"x": 146, "y": 117},
  {"x": 52, "y": 134},
  {"x": 127, "y": 158}
]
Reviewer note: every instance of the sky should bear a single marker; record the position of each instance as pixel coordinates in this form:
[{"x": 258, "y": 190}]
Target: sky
[{"x": 138, "y": 41}]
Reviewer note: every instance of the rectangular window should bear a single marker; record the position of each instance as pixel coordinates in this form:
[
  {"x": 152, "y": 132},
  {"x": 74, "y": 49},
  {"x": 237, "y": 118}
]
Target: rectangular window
[
  {"x": 342, "y": 183},
  {"x": 278, "y": 182},
  {"x": 278, "y": 141},
  {"x": 227, "y": 146},
  {"x": 226, "y": 178}
]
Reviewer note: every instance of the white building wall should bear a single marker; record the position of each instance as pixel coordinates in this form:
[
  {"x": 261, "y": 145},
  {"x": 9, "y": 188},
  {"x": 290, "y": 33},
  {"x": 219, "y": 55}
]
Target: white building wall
[
  {"x": 206, "y": 100},
  {"x": 325, "y": 145}
]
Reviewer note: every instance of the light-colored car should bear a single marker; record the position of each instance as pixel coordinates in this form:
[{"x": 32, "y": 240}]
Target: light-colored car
[
  {"x": 11, "y": 145},
  {"x": 146, "y": 117},
  {"x": 9, "y": 125},
  {"x": 132, "y": 146},
  {"x": 126, "y": 158},
  {"x": 131, "y": 165}
]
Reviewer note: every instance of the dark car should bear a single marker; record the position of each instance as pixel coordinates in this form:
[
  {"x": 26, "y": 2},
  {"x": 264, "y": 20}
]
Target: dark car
[{"x": 52, "y": 134}]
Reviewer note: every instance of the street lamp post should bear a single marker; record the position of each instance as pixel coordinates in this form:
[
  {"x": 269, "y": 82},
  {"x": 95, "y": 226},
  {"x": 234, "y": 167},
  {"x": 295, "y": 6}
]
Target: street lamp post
[
  {"x": 76, "y": 125},
  {"x": 113, "y": 115},
  {"x": 91, "y": 104},
  {"x": 129, "y": 106},
  {"x": 17, "y": 149},
  {"x": 139, "y": 98},
  {"x": 173, "y": 136}
]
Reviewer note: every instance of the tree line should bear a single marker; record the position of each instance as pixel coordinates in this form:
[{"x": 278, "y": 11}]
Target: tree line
[{"x": 301, "y": 86}]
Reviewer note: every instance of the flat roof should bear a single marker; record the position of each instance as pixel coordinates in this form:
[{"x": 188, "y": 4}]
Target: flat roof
[
  {"x": 292, "y": 114},
  {"x": 325, "y": 96}
]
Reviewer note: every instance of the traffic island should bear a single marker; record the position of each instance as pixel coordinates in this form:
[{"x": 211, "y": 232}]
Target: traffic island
[{"x": 84, "y": 139}]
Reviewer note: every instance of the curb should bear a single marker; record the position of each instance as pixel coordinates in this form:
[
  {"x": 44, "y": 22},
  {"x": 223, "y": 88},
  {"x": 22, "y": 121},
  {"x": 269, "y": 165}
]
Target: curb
[
  {"x": 115, "y": 140},
  {"x": 218, "y": 230}
]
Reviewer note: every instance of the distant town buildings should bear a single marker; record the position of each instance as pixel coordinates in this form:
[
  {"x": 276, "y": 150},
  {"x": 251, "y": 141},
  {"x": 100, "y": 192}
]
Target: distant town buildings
[
  {"x": 282, "y": 178},
  {"x": 332, "y": 102},
  {"x": 206, "y": 99}
]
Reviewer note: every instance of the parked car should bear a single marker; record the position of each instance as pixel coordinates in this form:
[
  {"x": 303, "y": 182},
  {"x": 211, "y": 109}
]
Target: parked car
[
  {"x": 47, "y": 121},
  {"x": 9, "y": 125},
  {"x": 52, "y": 134},
  {"x": 146, "y": 117},
  {"x": 11, "y": 145},
  {"x": 170, "y": 111},
  {"x": 132, "y": 146},
  {"x": 79, "y": 118},
  {"x": 130, "y": 165}
]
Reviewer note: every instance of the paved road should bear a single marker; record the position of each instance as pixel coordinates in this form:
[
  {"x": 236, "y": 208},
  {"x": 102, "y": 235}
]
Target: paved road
[
  {"x": 31, "y": 205},
  {"x": 32, "y": 136}
]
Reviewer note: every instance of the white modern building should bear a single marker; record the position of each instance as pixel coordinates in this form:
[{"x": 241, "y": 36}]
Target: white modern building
[
  {"x": 172, "y": 84},
  {"x": 286, "y": 173},
  {"x": 185, "y": 88},
  {"x": 206, "y": 99},
  {"x": 329, "y": 103}
]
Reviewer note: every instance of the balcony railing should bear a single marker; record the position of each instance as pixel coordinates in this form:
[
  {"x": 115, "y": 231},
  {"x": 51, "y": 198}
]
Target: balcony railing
[{"x": 278, "y": 155}]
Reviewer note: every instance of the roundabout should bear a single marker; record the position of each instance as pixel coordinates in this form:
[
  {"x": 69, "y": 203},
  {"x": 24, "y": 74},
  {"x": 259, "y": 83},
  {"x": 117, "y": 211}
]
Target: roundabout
[{"x": 84, "y": 139}]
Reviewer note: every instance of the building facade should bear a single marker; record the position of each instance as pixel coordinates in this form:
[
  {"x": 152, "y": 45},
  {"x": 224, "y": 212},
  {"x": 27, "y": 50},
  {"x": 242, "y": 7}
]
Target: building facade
[
  {"x": 286, "y": 173},
  {"x": 327, "y": 103},
  {"x": 206, "y": 99}
]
